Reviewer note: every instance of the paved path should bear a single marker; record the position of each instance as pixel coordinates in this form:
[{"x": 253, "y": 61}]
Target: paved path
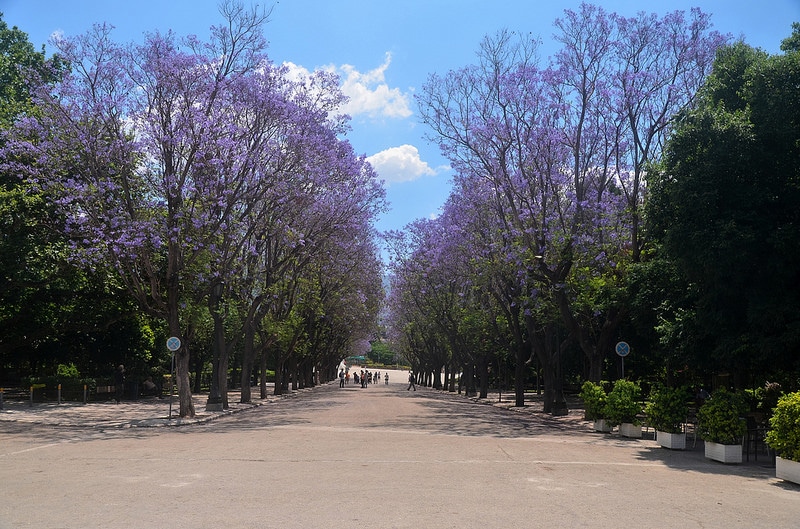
[{"x": 376, "y": 457}]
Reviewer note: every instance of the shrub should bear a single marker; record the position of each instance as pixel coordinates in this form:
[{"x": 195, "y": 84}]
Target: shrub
[
  {"x": 768, "y": 397},
  {"x": 720, "y": 419},
  {"x": 784, "y": 427},
  {"x": 622, "y": 403},
  {"x": 65, "y": 371},
  {"x": 594, "y": 400},
  {"x": 667, "y": 409}
]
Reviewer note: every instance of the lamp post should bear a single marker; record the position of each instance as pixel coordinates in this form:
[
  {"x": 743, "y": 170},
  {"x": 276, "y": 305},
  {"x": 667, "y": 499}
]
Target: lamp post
[{"x": 214, "y": 402}]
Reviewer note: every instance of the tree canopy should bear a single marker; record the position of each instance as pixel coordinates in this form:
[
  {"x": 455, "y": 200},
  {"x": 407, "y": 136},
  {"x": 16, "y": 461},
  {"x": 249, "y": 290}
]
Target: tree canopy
[
  {"x": 201, "y": 171},
  {"x": 725, "y": 207}
]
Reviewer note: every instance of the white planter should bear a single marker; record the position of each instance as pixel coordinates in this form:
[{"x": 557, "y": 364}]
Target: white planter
[
  {"x": 723, "y": 453},
  {"x": 627, "y": 429},
  {"x": 787, "y": 469},
  {"x": 673, "y": 441},
  {"x": 601, "y": 425}
]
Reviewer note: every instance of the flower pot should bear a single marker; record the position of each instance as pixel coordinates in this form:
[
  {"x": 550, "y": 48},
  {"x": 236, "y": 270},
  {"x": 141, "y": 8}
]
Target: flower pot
[
  {"x": 627, "y": 429},
  {"x": 673, "y": 441},
  {"x": 787, "y": 470},
  {"x": 601, "y": 425},
  {"x": 723, "y": 453}
]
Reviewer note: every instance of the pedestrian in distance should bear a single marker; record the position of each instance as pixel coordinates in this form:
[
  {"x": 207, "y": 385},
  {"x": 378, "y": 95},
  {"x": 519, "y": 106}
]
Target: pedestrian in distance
[
  {"x": 411, "y": 381},
  {"x": 341, "y": 378},
  {"x": 386, "y": 378}
]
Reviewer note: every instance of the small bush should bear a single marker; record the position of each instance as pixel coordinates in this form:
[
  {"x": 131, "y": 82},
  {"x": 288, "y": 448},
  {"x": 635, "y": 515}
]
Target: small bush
[
  {"x": 667, "y": 409},
  {"x": 784, "y": 433},
  {"x": 622, "y": 403},
  {"x": 67, "y": 371},
  {"x": 720, "y": 419},
  {"x": 594, "y": 400},
  {"x": 768, "y": 397}
]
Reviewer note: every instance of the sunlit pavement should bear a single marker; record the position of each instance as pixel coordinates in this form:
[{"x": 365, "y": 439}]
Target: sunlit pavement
[{"x": 380, "y": 456}]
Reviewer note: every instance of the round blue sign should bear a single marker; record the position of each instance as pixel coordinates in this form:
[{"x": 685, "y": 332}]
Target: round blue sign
[
  {"x": 173, "y": 343},
  {"x": 623, "y": 349}
]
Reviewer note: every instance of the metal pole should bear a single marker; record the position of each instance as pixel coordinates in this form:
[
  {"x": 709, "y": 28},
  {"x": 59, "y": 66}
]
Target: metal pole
[
  {"x": 59, "y": 394},
  {"x": 84, "y": 393},
  {"x": 1, "y": 398}
]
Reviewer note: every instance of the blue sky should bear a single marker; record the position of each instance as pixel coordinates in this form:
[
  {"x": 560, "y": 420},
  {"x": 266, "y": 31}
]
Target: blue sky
[{"x": 384, "y": 51}]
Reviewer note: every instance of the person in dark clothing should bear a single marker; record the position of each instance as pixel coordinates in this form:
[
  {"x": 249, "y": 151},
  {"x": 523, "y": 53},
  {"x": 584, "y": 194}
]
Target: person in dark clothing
[{"x": 411, "y": 381}]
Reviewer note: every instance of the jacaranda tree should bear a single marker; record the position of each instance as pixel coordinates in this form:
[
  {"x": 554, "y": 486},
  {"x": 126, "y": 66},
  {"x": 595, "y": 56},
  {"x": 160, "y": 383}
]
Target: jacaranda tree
[
  {"x": 559, "y": 153},
  {"x": 167, "y": 157}
]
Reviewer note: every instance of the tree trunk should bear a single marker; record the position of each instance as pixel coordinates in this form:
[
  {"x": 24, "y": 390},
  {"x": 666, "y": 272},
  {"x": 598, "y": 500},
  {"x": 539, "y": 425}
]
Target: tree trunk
[
  {"x": 215, "y": 401},
  {"x": 295, "y": 371},
  {"x": 469, "y": 383},
  {"x": 198, "y": 373},
  {"x": 549, "y": 378},
  {"x": 279, "y": 375},
  {"x": 186, "y": 406},
  {"x": 546, "y": 346},
  {"x": 263, "y": 382},
  {"x": 437, "y": 377},
  {"x": 248, "y": 360},
  {"x": 520, "y": 359},
  {"x": 483, "y": 364},
  {"x": 223, "y": 373}
]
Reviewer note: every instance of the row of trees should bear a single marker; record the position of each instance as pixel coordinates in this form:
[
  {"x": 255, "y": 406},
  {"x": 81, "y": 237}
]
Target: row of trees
[
  {"x": 211, "y": 189},
  {"x": 594, "y": 201}
]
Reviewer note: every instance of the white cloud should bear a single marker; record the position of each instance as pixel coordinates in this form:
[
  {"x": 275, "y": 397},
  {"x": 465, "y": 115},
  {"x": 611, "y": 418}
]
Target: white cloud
[
  {"x": 295, "y": 72},
  {"x": 400, "y": 164},
  {"x": 368, "y": 92}
]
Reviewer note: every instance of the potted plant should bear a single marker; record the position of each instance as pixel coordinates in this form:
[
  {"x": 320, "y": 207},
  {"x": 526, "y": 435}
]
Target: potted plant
[
  {"x": 722, "y": 426},
  {"x": 623, "y": 407},
  {"x": 666, "y": 412},
  {"x": 784, "y": 437},
  {"x": 594, "y": 402}
]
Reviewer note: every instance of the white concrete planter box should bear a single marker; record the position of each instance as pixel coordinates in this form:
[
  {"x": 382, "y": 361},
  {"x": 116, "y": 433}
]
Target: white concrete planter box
[
  {"x": 723, "y": 453},
  {"x": 627, "y": 429},
  {"x": 787, "y": 469},
  {"x": 601, "y": 425},
  {"x": 673, "y": 441}
]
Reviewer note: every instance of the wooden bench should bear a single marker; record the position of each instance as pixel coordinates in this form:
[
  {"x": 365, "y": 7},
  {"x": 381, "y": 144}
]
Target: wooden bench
[{"x": 105, "y": 391}]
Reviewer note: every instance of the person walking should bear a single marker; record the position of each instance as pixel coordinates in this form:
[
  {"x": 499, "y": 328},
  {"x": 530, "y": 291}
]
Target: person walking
[
  {"x": 386, "y": 378},
  {"x": 411, "y": 381},
  {"x": 341, "y": 378}
]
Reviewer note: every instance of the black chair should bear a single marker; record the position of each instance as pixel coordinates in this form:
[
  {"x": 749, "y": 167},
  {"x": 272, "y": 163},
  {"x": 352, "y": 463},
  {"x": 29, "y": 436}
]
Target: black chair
[{"x": 754, "y": 437}]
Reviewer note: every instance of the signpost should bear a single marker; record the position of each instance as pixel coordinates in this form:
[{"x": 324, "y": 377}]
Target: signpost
[
  {"x": 623, "y": 349},
  {"x": 173, "y": 344}
]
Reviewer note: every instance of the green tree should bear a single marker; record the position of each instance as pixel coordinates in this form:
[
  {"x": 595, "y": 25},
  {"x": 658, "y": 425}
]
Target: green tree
[
  {"x": 724, "y": 205},
  {"x": 51, "y": 312}
]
